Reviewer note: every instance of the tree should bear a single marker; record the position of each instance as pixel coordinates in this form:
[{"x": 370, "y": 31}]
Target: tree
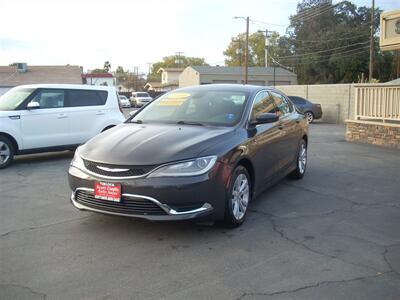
[
  {"x": 235, "y": 53},
  {"x": 107, "y": 66},
  {"x": 324, "y": 43},
  {"x": 174, "y": 61}
]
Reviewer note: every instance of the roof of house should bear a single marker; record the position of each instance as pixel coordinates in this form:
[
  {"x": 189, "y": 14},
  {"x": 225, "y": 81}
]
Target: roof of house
[
  {"x": 259, "y": 71},
  {"x": 170, "y": 70},
  {"x": 9, "y": 76},
  {"x": 97, "y": 75},
  {"x": 393, "y": 82}
]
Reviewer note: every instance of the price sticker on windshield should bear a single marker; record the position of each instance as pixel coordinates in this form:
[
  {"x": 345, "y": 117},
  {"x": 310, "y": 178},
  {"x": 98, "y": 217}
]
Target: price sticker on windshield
[{"x": 174, "y": 99}]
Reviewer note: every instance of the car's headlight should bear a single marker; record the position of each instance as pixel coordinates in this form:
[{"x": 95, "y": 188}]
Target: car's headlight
[
  {"x": 77, "y": 161},
  {"x": 193, "y": 167}
]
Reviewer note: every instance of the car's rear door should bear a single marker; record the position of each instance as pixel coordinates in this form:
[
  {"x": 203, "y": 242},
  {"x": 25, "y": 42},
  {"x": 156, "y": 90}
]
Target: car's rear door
[
  {"x": 289, "y": 143},
  {"x": 87, "y": 111},
  {"x": 48, "y": 125}
]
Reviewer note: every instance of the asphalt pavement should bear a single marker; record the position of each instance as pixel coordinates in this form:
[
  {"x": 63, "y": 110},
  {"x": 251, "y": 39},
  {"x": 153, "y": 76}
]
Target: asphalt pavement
[{"x": 333, "y": 235}]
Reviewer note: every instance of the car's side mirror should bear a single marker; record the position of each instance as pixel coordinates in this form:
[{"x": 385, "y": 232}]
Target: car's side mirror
[
  {"x": 265, "y": 118},
  {"x": 33, "y": 105}
]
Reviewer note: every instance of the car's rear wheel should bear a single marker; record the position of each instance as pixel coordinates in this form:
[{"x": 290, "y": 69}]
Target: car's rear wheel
[
  {"x": 309, "y": 116},
  {"x": 238, "y": 197},
  {"x": 6, "y": 152},
  {"x": 300, "y": 170}
]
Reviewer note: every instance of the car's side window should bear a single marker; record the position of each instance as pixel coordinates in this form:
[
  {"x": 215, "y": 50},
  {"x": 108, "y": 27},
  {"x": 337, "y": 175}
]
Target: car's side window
[
  {"x": 263, "y": 103},
  {"x": 49, "y": 98},
  {"x": 86, "y": 98},
  {"x": 282, "y": 104}
]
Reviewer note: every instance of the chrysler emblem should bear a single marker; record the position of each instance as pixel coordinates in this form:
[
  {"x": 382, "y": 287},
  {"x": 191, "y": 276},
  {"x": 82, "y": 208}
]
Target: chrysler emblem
[{"x": 112, "y": 169}]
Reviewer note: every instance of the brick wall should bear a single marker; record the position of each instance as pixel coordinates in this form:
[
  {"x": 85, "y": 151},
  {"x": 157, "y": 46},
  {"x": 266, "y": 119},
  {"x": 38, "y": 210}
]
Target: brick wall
[{"x": 387, "y": 135}]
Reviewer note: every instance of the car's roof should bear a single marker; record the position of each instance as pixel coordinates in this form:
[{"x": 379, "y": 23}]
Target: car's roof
[{"x": 69, "y": 86}]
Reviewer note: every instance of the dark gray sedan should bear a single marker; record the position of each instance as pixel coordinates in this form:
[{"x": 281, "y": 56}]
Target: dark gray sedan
[
  {"x": 199, "y": 152},
  {"x": 311, "y": 110}
]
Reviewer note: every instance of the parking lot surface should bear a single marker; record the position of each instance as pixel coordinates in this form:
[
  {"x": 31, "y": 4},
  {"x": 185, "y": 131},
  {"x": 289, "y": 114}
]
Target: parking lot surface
[{"x": 333, "y": 235}]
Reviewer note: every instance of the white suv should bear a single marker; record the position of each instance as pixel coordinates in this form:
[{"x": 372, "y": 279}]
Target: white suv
[
  {"x": 53, "y": 117},
  {"x": 140, "y": 98}
]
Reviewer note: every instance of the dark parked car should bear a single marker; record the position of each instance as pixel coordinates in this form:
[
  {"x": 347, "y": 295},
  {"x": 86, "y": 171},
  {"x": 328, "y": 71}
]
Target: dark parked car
[
  {"x": 201, "y": 152},
  {"x": 311, "y": 110}
]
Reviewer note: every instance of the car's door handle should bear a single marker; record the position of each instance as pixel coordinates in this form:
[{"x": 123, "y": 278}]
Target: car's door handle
[
  {"x": 61, "y": 116},
  {"x": 99, "y": 112}
]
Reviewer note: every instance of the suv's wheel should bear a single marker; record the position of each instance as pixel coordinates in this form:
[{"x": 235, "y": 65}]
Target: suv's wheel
[
  {"x": 6, "y": 152},
  {"x": 309, "y": 116},
  {"x": 300, "y": 170},
  {"x": 239, "y": 196}
]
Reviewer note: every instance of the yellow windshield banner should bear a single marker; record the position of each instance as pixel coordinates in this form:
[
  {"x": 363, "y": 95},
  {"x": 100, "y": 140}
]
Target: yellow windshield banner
[{"x": 174, "y": 99}]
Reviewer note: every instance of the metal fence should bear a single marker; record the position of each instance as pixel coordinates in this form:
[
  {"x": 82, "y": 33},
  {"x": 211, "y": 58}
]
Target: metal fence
[{"x": 377, "y": 103}]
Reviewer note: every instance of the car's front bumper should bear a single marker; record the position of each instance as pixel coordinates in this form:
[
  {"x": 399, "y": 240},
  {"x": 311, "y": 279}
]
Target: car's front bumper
[{"x": 178, "y": 198}]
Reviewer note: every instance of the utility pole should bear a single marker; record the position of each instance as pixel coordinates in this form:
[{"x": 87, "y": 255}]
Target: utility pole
[
  {"x": 371, "y": 47},
  {"x": 266, "y": 46},
  {"x": 149, "y": 64},
  {"x": 178, "y": 60},
  {"x": 246, "y": 59},
  {"x": 136, "y": 71}
]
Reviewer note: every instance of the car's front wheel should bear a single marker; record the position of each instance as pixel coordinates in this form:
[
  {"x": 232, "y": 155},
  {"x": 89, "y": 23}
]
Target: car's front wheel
[
  {"x": 238, "y": 197},
  {"x": 6, "y": 152}
]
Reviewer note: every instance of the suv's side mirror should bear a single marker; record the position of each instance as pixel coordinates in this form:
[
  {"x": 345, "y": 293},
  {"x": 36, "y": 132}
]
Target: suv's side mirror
[
  {"x": 33, "y": 105},
  {"x": 265, "y": 118}
]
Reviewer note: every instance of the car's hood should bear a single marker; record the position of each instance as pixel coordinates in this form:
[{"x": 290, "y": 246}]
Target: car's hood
[{"x": 151, "y": 144}]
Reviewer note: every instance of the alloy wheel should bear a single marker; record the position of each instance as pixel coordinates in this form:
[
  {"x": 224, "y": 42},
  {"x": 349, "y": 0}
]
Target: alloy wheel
[
  {"x": 240, "y": 196},
  {"x": 310, "y": 117},
  {"x": 5, "y": 152},
  {"x": 302, "y": 158}
]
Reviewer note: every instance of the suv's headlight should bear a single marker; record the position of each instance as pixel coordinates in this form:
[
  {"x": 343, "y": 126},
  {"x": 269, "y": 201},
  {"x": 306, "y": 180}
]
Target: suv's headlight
[
  {"x": 193, "y": 167},
  {"x": 77, "y": 161}
]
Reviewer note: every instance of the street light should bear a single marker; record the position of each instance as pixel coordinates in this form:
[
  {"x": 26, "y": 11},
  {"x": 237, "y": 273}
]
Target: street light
[{"x": 246, "y": 53}]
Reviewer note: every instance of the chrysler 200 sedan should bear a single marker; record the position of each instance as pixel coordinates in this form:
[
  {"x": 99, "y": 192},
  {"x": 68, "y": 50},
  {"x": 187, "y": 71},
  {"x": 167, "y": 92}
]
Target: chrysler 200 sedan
[{"x": 201, "y": 153}]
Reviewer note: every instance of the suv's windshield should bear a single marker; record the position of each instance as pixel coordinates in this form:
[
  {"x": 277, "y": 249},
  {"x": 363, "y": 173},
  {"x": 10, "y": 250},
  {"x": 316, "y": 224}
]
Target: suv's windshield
[
  {"x": 195, "y": 107},
  {"x": 142, "y": 95},
  {"x": 14, "y": 97}
]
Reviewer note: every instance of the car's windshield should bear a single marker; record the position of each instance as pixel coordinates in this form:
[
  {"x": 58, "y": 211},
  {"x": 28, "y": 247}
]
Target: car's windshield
[
  {"x": 198, "y": 107},
  {"x": 142, "y": 95},
  {"x": 14, "y": 97}
]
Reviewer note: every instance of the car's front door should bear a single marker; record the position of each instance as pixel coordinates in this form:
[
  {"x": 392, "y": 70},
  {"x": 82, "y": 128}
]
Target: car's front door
[
  {"x": 289, "y": 143},
  {"x": 48, "y": 124},
  {"x": 264, "y": 139}
]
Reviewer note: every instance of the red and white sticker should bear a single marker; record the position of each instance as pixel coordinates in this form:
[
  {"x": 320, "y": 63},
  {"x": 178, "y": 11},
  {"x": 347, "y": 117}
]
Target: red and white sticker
[{"x": 107, "y": 191}]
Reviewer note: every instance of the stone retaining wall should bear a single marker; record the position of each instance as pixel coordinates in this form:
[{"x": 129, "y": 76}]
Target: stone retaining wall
[{"x": 387, "y": 135}]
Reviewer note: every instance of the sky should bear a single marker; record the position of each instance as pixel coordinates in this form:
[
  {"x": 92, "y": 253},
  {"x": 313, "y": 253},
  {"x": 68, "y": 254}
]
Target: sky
[{"x": 133, "y": 33}]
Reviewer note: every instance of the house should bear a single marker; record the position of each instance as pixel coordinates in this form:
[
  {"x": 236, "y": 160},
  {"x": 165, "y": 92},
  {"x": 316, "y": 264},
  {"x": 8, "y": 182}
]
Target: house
[
  {"x": 21, "y": 73},
  {"x": 106, "y": 79},
  {"x": 195, "y": 75},
  {"x": 170, "y": 75}
]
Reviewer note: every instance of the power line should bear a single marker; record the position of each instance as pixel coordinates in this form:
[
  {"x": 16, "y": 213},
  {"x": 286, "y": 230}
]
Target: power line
[
  {"x": 330, "y": 40},
  {"x": 315, "y": 52},
  {"x": 328, "y": 59},
  {"x": 329, "y": 55},
  {"x": 314, "y": 14}
]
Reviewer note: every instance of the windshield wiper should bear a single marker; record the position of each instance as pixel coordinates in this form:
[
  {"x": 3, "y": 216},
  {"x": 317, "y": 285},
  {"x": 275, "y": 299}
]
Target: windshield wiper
[
  {"x": 136, "y": 121},
  {"x": 189, "y": 123}
]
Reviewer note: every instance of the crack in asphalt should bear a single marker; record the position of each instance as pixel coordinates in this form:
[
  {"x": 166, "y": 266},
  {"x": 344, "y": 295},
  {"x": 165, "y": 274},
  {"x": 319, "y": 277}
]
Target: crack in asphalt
[
  {"x": 318, "y": 284},
  {"x": 388, "y": 262},
  {"x": 304, "y": 246},
  {"x": 42, "y": 295},
  {"x": 339, "y": 197},
  {"x": 41, "y": 226}
]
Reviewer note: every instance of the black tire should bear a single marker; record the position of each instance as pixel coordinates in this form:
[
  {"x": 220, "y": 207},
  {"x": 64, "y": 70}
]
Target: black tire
[
  {"x": 309, "y": 116},
  {"x": 7, "y": 152},
  {"x": 300, "y": 170},
  {"x": 230, "y": 219}
]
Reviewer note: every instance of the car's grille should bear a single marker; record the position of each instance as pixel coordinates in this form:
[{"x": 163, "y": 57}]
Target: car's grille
[
  {"x": 128, "y": 171},
  {"x": 128, "y": 205}
]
